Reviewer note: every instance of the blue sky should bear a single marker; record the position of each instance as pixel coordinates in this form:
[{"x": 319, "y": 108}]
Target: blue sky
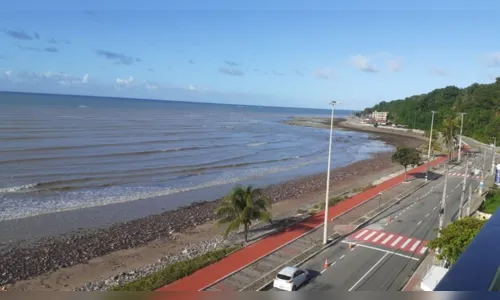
[{"x": 280, "y": 53}]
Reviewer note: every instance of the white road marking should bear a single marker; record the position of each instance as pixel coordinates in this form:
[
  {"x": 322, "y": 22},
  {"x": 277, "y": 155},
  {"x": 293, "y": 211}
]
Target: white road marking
[
  {"x": 405, "y": 243},
  {"x": 361, "y": 234},
  {"x": 415, "y": 246},
  {"x": 419, "y": 222},
  {"x": 434, "y": 208},
  {"x": 386, "y": 251},
  {"x": 396, "y": 241},
  {"x": 422, "y": 251},
  {"x": 369, "y": 236},
  {"x": 330, "y": 265},
  {"x": 368, "y": 272},
  {"x": 426, "y": 215},
  {"x": 378, "y": 237},
  {"x": 387, "y": 239},
  {"x": 342, "y": 256}
]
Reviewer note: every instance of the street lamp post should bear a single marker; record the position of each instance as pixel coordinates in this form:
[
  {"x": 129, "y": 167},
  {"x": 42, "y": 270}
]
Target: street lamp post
[
  {"x": 379, "y": 199},
  {"x": 460, "y": 140},
  {"x": 443, "y": 205},
  {"x": 429, "y": 151},
  {"x": 325, "y": 229},
  {"x": 470, "y": 199},
  {"x": 462, "y": 196}
]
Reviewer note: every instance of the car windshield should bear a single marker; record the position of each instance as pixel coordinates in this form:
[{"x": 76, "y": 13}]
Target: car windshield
[{"x": 283, "y": 277}]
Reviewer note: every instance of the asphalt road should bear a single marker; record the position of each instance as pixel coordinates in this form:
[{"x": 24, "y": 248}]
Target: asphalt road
[{"x": 374, "y": 266}]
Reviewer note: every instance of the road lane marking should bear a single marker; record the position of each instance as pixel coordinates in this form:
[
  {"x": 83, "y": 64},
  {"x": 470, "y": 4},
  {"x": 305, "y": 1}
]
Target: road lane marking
[
  {"x": 342, "y": 256},
  {"x": 415, "y": 246},
  {"x": 434, "y": 208},
  {"x": 387, "y": 239},
  {"x": 396, "y": 241},
  {"x": 405, "y": 243},
  {"x": 361, "y": 234},
  {"x": 369, "y": 236},
  {"x": 368, "y": 272},
  {"x": 378, "y": 237},
  {"x": 426, "y": 215},
  {"x": 422, "y": 251},
  {"x": 419, "y": 222}
]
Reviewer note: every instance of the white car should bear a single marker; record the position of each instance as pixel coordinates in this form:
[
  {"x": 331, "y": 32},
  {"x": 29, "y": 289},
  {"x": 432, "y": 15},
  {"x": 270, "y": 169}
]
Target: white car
[{"x": 290, "y": 278}]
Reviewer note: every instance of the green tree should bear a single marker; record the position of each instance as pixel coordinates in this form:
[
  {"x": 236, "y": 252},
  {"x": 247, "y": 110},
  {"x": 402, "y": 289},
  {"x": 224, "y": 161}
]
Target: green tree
[
  {"x": 241, "y": 206},
  {"x": 406, "y": 157},
  {"x": 435, "y": 144},
  {"x": 455, "y": 237}
]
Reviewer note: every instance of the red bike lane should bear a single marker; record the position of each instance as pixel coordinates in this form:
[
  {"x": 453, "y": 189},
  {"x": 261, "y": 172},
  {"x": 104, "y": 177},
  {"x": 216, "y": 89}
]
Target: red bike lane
[{"x": 207, "y": 276}]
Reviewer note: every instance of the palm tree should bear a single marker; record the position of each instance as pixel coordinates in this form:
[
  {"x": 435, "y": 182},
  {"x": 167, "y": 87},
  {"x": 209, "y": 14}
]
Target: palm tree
[
  {"x": 450, "y": 126},
  {"x": 241, "y": 206}
]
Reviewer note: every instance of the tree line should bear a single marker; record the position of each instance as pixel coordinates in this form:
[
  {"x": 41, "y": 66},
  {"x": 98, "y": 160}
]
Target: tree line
[{"x": 480, "y": 102}]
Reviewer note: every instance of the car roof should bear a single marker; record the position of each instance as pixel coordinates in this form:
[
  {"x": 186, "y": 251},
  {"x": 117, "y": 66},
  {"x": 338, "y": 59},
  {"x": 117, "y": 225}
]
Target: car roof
[{"x": 288, "y": 271}]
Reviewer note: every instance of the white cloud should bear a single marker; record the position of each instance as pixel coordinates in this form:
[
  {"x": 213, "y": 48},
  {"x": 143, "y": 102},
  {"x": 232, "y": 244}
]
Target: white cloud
[
  {"x": 85, "y": 78},
  {"x": 395, "y": 64},
  {"x": 440, "y": 72},
  {"x": 125, "y": 81},
  {"x": 192, "y": 88},
  {"x": 151, "y": 86},
  {"x": 58, "y": 77},
  {"x": 8, "y": 73},
  {"x": 362, "y": 63},
  {"x": 323, "y": 73}
]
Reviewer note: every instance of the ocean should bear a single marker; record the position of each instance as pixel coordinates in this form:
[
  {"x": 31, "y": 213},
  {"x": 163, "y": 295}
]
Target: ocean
[{"x": 63, "y": 153}]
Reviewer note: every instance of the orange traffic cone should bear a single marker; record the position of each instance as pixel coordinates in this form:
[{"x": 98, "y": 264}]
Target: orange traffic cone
[
  {"x": 351, "y": 246},
  {"x": 326, "y": 264}
]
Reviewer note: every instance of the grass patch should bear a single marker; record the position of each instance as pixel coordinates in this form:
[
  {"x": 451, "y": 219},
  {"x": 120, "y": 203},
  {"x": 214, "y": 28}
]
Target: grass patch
[
  {"x": 331, "y": 202},
  {"x": 174, "y": 271},
  {"x": 492, "y": 201}
]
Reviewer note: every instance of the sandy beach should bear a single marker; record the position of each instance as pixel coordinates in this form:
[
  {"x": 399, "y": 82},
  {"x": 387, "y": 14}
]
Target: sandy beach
[{"x": 118, "y": 250}]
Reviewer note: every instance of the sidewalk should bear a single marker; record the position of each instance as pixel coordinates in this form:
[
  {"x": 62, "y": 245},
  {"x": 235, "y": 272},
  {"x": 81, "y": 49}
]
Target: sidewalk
[
  {"x": 208, "y": 276},
  {"x": 413, "y": 285}
]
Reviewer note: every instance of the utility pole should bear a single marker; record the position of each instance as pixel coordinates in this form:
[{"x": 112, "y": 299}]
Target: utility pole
[
  {"x": 429, "y": 151},
  {"x": 462, "y": 196},
  {"x": 470, "y": 199},
  {"x": 443, "y": 205},
  {"x": 460, "y": 141},
  {"x": 325, "y": 229}
]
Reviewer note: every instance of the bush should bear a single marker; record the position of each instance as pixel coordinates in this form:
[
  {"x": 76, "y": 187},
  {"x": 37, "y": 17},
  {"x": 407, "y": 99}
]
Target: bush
[
  {"x": 331, "y": 202},
  {"x": 492, "y": 202},
  {"x": 174, "y": 271},
  {"x": 301, "y": 211}
]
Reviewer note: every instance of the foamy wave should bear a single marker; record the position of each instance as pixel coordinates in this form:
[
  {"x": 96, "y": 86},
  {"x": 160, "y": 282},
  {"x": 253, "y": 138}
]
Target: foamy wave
[
  {"x": 14, "y": 209},
  {"x": 15, "y": 189},
  {"x": 257, "y": 144}
]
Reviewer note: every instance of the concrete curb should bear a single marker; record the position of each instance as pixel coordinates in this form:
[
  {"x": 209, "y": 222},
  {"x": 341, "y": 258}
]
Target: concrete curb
[{"x": 352, "y": 231}]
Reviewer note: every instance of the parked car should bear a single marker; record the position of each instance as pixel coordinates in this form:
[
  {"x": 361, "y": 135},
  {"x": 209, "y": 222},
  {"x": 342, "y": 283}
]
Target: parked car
[{"x": 290, "y": 278}]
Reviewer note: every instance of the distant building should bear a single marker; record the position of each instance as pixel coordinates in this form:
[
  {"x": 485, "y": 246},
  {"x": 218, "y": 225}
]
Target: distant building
[{"x": 380, "y": 116}]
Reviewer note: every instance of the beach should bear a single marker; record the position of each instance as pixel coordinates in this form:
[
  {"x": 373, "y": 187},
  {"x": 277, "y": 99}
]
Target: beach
[{"x": 68, "y": 261}]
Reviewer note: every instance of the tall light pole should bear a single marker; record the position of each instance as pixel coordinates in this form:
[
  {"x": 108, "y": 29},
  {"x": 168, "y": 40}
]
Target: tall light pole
[
  {"x": 443, "y": 205},
  {"x": 493, "y": 158},
  {"x": 429, "y": 151},
  {"x": 460, "y": 141},
  {"x": 470, "y": 199},
  {"x": 325, "y": 229},
  {"x": 462, "y": 196}
]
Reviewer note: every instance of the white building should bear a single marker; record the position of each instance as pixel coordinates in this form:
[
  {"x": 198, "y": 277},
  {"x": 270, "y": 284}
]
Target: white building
[{"x": 380, "y": 116}]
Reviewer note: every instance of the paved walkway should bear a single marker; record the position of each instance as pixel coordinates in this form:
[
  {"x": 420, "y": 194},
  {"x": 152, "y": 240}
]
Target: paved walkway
[{"x": 207, "y": 276}]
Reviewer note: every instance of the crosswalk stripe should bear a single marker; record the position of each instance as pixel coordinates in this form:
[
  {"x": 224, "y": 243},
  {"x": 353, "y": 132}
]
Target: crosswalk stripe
[
  {"x": 422, "y": 251},
  {"x": 405, "y": 243},
  {"x": 415, "y": 245},
  {"x": 387, "y": 239},
  {"x": 396, "y": 241},
  {"x": 369, "y": 236},
  {"x": 378, "y": 237},
  {"x": 361, "y": 234}
]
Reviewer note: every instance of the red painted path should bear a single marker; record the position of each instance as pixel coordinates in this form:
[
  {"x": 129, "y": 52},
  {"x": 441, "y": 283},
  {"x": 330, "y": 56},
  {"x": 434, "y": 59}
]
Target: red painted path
[{"x": 204, "y": 277}]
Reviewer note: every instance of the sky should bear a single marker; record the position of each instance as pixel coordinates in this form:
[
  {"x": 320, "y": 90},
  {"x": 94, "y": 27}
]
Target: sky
[{"x": 278, "y": 53}]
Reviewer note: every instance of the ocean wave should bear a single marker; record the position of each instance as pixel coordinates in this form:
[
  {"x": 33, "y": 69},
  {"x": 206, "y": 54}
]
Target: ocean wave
[
  {"x": 12, "y": 209},
  {"x": 256, "y": 144},
  {"x": 16, "y": 189}
]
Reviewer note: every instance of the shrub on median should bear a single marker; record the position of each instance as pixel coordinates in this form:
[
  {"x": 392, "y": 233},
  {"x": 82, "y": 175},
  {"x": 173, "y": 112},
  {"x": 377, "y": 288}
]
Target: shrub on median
[
  {"x": 492, "y": 201},
  {"x": 175, "y": 271}
]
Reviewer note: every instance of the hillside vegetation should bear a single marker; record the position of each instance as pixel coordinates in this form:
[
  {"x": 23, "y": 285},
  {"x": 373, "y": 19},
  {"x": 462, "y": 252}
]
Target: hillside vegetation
[{"x": 481, "y": 102}]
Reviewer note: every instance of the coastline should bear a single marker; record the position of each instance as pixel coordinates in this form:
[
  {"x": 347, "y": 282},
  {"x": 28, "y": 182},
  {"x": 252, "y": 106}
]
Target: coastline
[{"x": 168, "y": 232}]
